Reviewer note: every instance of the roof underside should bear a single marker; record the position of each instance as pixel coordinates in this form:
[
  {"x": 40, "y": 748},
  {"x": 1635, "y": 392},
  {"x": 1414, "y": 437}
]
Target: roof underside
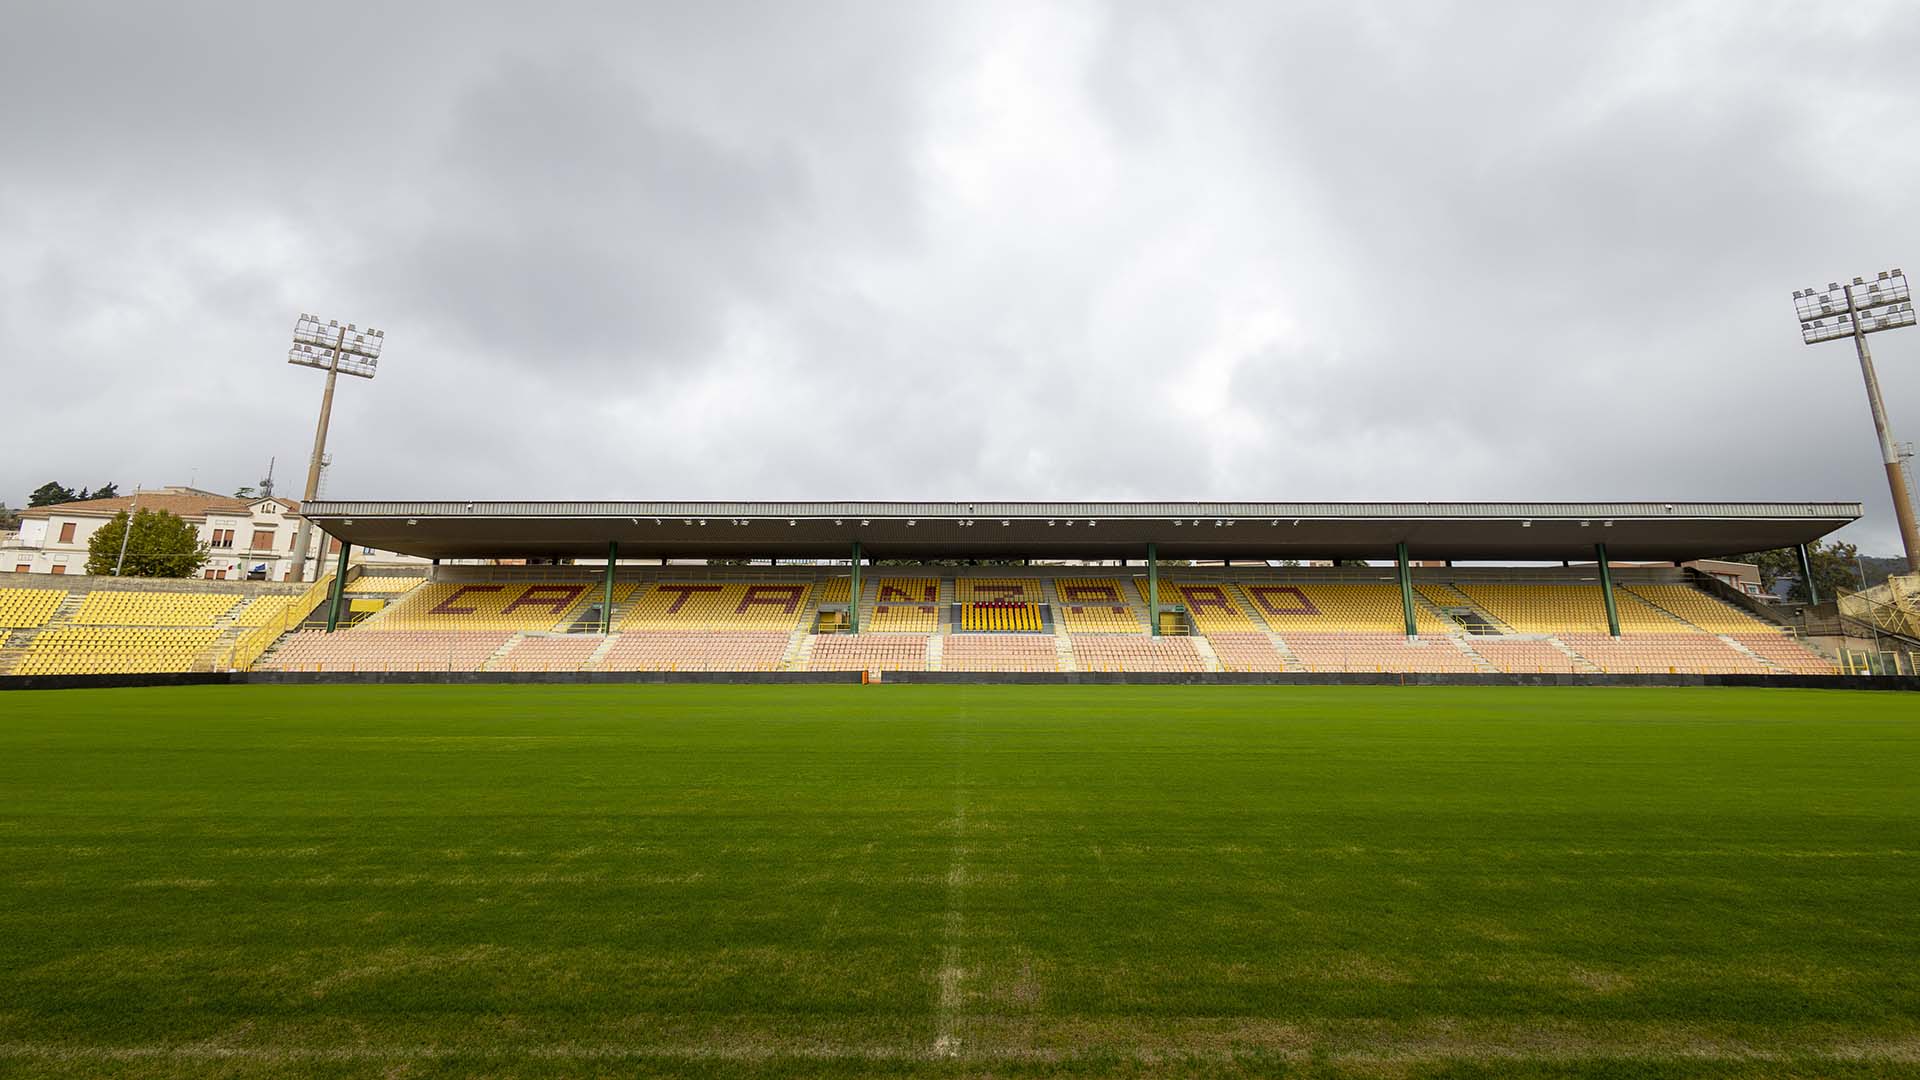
[{"x": 1463, "y": 531}]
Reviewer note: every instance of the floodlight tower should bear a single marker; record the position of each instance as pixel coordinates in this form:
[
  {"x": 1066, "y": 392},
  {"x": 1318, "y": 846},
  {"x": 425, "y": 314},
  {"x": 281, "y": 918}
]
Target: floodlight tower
[
  {"x": 332, "y": 348},
  {"x": 1855, "y": 310}
]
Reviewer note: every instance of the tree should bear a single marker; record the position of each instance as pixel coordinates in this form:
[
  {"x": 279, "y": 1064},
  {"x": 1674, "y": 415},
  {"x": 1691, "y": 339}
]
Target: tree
[
  {"x": 9, "y": 517},
  {"x": 50, "y": 493},
  {"x": 107, "y": 491},
  {"x": 161, "y": 545},
  {"x": 246, "y": 491},
  {"x": 1835, "y": 567}
]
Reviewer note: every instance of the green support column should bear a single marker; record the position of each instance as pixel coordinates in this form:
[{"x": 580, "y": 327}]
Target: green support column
[
  {"x": 1606, "y": 590},
  {"x": 606, "y": 603},
  {"x": 1806, "y": 575},
  {"x": 339, "y": 586},
  {"x": 1406, "y": 588},
  {"x": 853, "y": 592},
  {"x": 1153, "y": 591}
]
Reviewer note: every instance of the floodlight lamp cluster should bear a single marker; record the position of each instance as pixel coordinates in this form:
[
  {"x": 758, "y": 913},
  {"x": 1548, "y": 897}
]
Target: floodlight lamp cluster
[
  {"x": 1829, "y": 314},
  {"x": 351, "y": 349}
]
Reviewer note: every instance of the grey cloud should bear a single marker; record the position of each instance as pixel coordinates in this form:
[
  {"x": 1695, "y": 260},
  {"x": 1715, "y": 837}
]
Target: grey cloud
[{"x": 1102, "y": 250}]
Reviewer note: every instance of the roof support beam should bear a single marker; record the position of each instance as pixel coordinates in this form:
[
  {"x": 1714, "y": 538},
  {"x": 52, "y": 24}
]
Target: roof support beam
[
  {"x": 1406, "y": 588},
  {"x": 1153, "y": 591},
  {"x": 606, "y": 602},
  {"x": 1806, "y": 575},
  {"x": 853, "y": 592},
  {"x": 339, "y": 585},
  {"x": 1606, "y": 589}
]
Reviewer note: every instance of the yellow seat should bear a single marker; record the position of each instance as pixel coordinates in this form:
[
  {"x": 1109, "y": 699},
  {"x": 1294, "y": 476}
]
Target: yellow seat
[
  {"x": 487, "y": 605},
  {"x": 718, "y": 606},
  {"x": 1095, "y": 606},
  {"x": 28, "y": 608}
]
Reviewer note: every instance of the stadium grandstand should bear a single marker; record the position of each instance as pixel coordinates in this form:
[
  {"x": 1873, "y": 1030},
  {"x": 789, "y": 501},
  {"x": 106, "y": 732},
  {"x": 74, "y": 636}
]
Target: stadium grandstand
[{"x": 1524, "y": 588}]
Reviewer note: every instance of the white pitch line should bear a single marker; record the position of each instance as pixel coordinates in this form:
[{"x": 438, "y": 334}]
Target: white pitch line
[{"x": 952, "y": 975}]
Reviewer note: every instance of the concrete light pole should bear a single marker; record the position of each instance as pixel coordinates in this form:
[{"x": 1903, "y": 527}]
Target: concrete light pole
[
  {"x": 334, "y": 349},
  {"x": 1855, "y": 310}
]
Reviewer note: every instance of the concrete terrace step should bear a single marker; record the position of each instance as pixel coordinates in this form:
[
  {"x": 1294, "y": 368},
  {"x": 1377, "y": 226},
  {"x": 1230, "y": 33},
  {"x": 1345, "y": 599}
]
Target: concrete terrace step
[
  {"x": 1736, "y": 646},
  {"x": 1465, "y": 645},
  {"x": 500, "y": 653},
  {"x": 1208, "y": 658},
  {"x": 600, "y": 654},
  {"x": 1580, "y": 663},
  {"x": 1289, "y": 660},
  {"x": 796, "y": 642}
]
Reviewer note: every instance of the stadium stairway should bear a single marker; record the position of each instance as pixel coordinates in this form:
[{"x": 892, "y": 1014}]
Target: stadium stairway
[
  {"x": 803, "y": 653},
  {"x": 1439, "y": 596},
  {"x": 936, "y": 651},
  {"x": 1208, "y": 657},
  {"x": 1737, "y": 646},
  {"x": 1288, "y": 661},
  {"x": 1581, "y": 663},
  {"x": 1063, "y": 652},
  {"x": 599, "y": 654},
  {"x": 796, "y": 642},
  {"x": 500, "y": 653},
  {"x": 1480, "y": 663}
]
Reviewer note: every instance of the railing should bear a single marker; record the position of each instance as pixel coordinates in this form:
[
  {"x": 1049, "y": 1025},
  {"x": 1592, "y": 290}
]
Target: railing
[
  {"x": 1893, "y": 606},
  {"x": 1879, "y": 662},
  {"x": 249, "y": 646}
]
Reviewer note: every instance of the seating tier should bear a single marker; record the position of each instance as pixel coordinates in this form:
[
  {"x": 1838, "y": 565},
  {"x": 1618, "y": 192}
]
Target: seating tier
[
  {"x": 716, "y": 606},
  {"x": 1360, "y": 608},
  {"x": 1377, "y": 652},
  {"x": 905, "y": 605},
  {"x": 568, "y": 652},
  {"x": 376, "y": 585},
  {"x": 1095, "y": 606},
  {"x": 1524, "y": 656},
  {"x": 720, "y": 651},
  {"x": 1553, "y": 609},
  {"x": 1706, "y": 612},
  {"x": 1787, "y": 653},
  {"x": 1000, "y": 604},
  {"x": 114, "y": 650},
  {"x": 999, "y": 652},
  {"x": 1659, "y": 654},
  {"x": 263, "y": 610},
  {"x": 1135, "y": 652},
  {"x": 116, "y": 608},
  {"x": 535, "y": 606},
  {"x": 27, "y": 608},
  {"x": 1246, "y": 652},
  {"x": 869, "y": 652},
  {"x": 1212, "y": 607},
  {"x": 385, "y": 650}
]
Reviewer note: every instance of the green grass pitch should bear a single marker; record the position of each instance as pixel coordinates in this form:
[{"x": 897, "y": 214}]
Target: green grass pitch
[{"x": 959, "y": 881}]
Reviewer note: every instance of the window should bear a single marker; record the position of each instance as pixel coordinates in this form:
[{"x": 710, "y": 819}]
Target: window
[
  {"x": 263, "y": 539},
  {"x": 66, "y": 532},
  {"x": 333, "y": 545},
  {"x": 23, "y": 568},
  {"x": 57, "y": 568},
  {"x": 222, "y": 538},
  {"x": 212, "y": 573}
]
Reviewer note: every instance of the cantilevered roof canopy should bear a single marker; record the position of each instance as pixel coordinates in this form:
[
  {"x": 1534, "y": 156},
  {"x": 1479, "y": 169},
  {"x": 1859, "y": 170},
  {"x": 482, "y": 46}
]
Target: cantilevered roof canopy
[{"x": 1081, "y": 530}]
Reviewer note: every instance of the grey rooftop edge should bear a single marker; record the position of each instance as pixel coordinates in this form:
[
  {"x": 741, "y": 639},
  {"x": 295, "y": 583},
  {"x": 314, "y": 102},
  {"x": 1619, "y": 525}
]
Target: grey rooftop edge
[{"x": 1068, "y": 530}]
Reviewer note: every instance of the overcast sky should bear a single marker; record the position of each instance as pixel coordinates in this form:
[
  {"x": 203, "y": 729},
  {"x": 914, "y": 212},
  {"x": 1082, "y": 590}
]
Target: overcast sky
[{"x": 961, "y": 250}]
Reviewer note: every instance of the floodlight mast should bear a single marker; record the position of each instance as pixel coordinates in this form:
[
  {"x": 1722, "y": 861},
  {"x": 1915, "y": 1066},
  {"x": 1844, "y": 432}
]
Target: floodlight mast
[
  {"x": 1865, "y": 308},
  {"x": 329, "y": 349}
]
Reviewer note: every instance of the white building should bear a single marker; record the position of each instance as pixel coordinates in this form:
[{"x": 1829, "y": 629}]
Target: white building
[{"x": 246, "y": 538}]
